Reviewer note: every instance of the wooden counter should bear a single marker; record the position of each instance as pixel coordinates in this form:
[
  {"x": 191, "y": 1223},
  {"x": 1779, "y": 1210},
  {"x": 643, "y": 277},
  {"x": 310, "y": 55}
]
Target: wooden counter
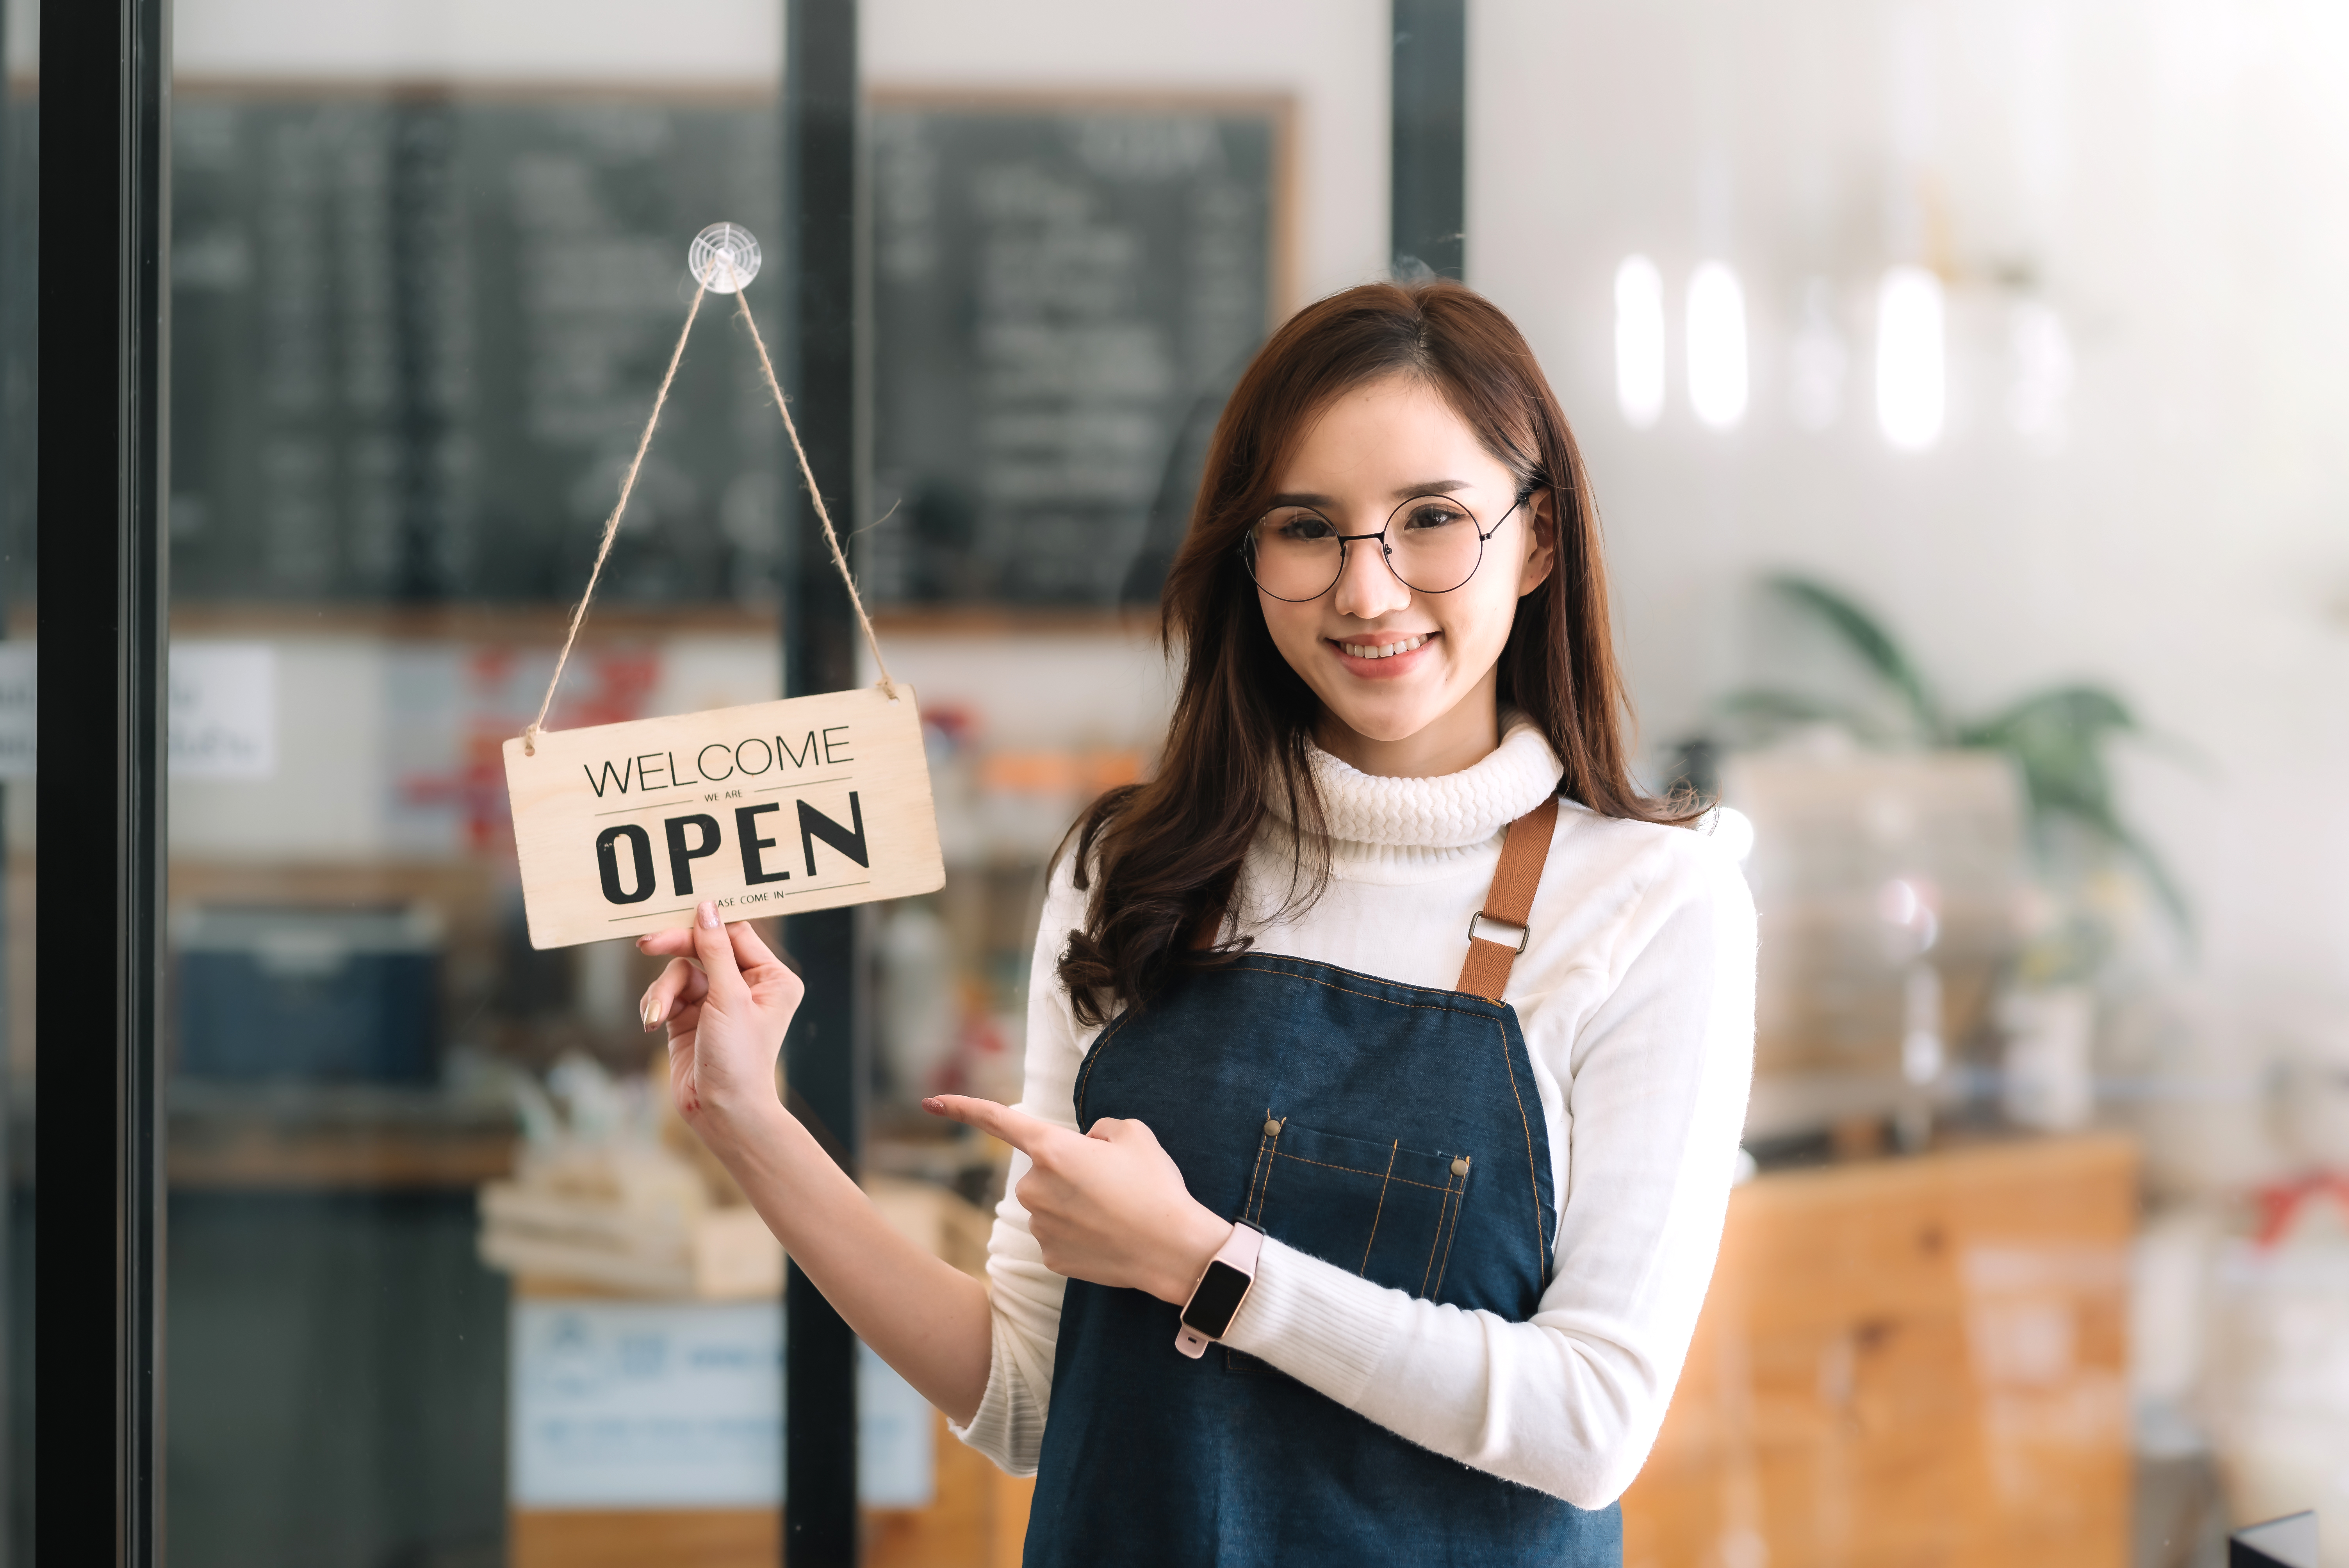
[
  {"x": 979, "y": 1521},
  {"x": 1912, "y": 1362},
  {"x": 1908, "y": 1362}
]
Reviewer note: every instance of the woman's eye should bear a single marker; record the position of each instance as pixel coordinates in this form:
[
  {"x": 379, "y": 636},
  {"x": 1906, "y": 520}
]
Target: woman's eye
[
  {"x": 1432, "y": 515},
  {"x": 1303, "y": 527}
]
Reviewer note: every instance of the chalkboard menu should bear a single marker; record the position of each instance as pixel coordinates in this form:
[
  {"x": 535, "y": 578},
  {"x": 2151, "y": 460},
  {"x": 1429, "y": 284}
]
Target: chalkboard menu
[
  {"x": 1061, "y": 297},
  {"x": 414, "y": 339}
]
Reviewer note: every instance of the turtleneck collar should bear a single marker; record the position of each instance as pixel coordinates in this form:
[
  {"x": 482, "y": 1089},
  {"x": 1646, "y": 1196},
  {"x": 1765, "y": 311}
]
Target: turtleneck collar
[{"x": 1374, "y": 819}]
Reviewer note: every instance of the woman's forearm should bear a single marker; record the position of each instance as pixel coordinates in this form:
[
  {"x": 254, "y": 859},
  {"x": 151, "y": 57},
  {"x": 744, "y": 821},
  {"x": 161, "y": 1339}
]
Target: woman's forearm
[{"x": 925, "y": 1317}]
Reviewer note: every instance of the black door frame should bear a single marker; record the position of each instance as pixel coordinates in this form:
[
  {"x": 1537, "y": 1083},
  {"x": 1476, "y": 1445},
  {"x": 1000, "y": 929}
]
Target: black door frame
[
  {"x": 105, "y": 175},
  {"x": 1428, "y": 130},
  {"x": 827, "y": 1056}
]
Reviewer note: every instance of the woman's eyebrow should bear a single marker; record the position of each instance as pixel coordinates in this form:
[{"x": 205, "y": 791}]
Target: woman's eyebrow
[{"x": 1404, "y": 492}]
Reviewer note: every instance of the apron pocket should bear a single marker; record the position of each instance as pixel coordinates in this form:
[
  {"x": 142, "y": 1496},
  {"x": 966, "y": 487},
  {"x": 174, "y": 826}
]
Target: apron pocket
[{"x": 1382, "y": 1210}]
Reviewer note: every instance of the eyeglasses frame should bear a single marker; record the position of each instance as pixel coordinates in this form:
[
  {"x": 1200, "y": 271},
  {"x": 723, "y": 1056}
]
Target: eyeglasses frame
[{"x": 1386, "y": 550}]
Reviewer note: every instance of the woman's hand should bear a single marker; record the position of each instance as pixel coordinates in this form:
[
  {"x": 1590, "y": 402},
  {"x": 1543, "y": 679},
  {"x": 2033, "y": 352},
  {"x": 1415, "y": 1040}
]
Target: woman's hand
[
  {"x": 1108, "y": 1206},
  {"x": 727, "y": 1005}
]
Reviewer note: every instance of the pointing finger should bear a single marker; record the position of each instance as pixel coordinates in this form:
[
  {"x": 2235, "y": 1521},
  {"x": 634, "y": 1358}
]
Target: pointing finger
[{"x": 1017, "y": 1127}]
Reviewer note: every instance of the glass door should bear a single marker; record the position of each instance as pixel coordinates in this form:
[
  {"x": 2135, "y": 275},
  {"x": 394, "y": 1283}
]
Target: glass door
[{"x": 447, "y": 1283}]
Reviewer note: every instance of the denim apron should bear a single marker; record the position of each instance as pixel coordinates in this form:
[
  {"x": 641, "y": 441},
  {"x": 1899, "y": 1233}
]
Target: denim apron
[{"x": 1387, "y": 1129}]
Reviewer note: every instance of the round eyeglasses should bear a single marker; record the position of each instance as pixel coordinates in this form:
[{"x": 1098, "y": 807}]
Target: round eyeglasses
[{"x": 1431, "y": 543}]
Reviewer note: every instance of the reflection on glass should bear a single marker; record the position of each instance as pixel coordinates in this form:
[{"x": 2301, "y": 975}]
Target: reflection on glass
[
  {"x": 1716, "y": 345},
  {"x": 1911, "y": 388},
  {"x": 1638, "y": 342}
]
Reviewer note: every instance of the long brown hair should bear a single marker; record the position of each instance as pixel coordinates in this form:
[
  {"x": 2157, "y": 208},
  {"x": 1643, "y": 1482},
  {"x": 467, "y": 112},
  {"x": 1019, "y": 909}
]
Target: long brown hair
[{"x": 1159, "y": 859}]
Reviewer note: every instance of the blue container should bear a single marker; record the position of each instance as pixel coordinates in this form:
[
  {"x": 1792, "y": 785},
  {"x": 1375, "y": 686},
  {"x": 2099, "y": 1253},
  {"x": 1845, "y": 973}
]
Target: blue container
[{"x": 310, "y": 995}]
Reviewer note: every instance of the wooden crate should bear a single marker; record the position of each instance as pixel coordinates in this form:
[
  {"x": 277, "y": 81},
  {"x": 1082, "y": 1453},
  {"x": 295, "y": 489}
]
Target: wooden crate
[{"x": 1917, "y": 1362}]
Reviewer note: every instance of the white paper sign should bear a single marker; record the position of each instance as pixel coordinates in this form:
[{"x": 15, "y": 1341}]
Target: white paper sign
[
  {"x": 223, "y": 715},
  {"x": 647, "y": 1404},
  {"x": 19, "y": 719},
  {"x": 627, "y": 1404}
]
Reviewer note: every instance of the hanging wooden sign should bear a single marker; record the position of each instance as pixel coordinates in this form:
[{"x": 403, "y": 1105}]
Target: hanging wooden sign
[{"x": 778, "y": 808}]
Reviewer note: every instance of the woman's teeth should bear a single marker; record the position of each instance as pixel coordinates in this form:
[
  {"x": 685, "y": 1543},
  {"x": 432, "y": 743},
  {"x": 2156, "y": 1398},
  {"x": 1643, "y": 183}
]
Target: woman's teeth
[{"x": 1382, "y": 650}]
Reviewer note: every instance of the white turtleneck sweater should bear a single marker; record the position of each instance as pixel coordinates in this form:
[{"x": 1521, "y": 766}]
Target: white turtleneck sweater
[{"x": 1636, "y": 996}]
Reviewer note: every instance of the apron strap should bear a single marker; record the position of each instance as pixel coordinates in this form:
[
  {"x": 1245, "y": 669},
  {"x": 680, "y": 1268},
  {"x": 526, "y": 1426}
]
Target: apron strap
[{"x": 1508, "y": 904}]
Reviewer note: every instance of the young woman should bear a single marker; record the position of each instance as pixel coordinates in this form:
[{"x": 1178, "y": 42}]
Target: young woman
[{"x": 1387, "y": 1052}]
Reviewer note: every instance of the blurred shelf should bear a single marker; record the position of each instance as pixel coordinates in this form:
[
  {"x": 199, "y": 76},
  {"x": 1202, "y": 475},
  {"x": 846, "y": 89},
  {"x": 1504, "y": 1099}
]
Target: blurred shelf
[
  {"x": 227, "y": 1137},
  {"x": 463, "y": 621},
  {"x": 482, "y": 621},
  {"x": 1135, "y": 621}
]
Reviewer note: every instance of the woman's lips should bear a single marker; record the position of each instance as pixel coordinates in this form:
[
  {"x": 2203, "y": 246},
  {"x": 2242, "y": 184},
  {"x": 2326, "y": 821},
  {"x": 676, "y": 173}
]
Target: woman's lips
[{"x": 1384, "y": 656}]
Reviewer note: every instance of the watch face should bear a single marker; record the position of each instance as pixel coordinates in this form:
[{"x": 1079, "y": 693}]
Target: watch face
[{"x": 1217, "y": 1297}]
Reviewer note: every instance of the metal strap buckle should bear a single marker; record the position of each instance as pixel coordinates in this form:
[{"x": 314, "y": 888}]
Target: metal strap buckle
[{"x": 1525, "y": 934}]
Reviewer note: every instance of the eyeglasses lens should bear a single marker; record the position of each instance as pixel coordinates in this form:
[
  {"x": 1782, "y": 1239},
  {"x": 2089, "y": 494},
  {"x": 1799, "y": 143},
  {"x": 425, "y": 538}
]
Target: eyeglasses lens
[{"x": 1432, "y": 544}]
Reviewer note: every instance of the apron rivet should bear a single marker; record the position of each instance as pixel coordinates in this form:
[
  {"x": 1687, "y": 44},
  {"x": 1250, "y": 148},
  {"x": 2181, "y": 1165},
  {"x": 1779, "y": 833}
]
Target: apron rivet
[
  {"x": 1272, "y": 1129},
  {"x": 1460, "y": 1167}
]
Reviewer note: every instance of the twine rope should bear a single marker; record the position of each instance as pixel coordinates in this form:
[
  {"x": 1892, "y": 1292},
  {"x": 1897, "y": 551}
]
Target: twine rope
[
  {"x": 628, "y": 484},
  {"x": 838, "y": 558}
]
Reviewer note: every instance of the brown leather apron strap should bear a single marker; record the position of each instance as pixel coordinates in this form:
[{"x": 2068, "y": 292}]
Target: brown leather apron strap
[{"x": 1508, "y": 904}]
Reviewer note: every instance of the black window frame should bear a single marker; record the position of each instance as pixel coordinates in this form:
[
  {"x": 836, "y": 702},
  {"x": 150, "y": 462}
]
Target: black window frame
[{"x": 103, "y": 312}]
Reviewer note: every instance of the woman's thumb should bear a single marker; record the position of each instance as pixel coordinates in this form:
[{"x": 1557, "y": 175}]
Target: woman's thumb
[{"x": 714, "y": 948}]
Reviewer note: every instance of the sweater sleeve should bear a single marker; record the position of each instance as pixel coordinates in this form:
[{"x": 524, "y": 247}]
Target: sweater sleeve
[
  {"x": 1023, "y": 1295},
  {"x": 1569, "y": 1402}
]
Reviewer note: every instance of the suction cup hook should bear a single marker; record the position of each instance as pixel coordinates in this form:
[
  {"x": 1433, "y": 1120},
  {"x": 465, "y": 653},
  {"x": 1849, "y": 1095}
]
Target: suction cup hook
[{"x": 724, "y": 258}]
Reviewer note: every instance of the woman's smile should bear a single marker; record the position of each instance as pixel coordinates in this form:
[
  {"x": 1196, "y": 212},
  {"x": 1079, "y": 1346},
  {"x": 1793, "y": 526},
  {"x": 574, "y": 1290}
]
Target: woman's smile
[{"x": 1383, "y": 655}]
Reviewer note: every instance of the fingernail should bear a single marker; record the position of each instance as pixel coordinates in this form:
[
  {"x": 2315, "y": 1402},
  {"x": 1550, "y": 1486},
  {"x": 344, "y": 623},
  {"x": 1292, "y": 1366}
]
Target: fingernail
[
  {"x": 650, "y": 1014},
  {"x": 708, "y": 914},
  {"x": 931, "y": 1105}
]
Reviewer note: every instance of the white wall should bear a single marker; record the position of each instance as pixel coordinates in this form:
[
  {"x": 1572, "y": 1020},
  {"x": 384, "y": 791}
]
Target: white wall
[{"x": 2169, "y": 178}]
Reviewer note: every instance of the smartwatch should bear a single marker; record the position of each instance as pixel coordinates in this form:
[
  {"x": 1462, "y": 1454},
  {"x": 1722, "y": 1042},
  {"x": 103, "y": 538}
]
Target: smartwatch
[{"x": 1217, "y": 1298}]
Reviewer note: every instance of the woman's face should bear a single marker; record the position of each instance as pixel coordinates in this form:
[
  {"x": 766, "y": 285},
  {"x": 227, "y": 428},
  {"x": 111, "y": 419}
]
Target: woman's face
[{"x": 1407, "y": 679}]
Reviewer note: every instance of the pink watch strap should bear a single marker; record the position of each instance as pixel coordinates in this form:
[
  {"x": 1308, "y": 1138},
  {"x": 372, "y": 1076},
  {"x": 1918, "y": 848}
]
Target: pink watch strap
[{"x": 1239, "y": 1252}]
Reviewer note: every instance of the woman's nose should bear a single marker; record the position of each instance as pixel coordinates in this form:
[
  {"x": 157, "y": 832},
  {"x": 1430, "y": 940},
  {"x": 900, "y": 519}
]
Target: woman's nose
[{"x": 1366, "y": 588}]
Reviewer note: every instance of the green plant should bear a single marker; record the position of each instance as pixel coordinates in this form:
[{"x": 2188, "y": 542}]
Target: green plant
[{"x": 2057, "y": 738}]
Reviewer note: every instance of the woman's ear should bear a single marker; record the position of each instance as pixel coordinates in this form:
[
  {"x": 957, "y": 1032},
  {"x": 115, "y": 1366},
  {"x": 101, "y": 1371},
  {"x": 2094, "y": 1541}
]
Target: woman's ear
[{"x": 1534, "y": 567}]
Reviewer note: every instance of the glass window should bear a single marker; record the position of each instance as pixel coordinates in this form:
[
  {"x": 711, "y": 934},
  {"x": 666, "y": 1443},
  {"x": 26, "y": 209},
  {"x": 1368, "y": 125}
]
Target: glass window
[{"x": 433, "y": 1295}]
